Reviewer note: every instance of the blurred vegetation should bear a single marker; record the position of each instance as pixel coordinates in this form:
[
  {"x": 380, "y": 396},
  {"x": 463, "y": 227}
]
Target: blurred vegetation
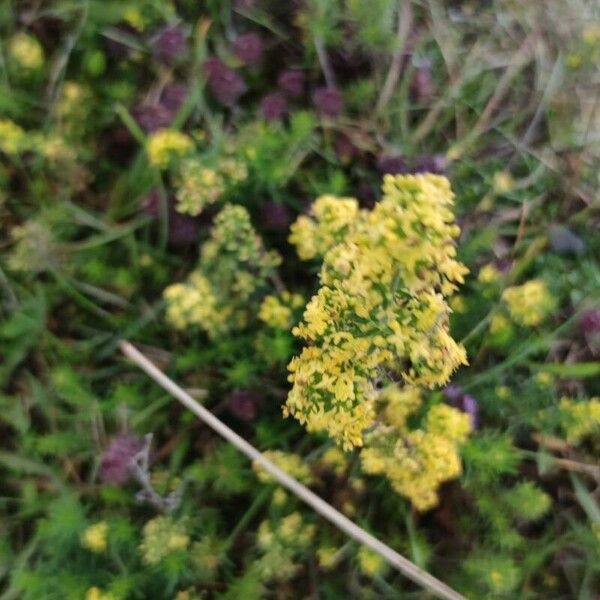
[{"x": 283, "y": 102}]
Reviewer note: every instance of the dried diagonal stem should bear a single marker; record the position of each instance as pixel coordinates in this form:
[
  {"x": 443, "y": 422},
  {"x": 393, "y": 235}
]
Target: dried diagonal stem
[{"x": 405, "y": 566}]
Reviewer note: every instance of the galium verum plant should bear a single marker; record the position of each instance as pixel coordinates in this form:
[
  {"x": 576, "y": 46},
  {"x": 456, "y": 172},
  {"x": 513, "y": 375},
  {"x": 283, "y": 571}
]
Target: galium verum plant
[{"x": 380, "y": 317}]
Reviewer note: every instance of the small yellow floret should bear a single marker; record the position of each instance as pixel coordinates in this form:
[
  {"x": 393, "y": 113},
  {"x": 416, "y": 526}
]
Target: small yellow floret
[
  {"x": 165, "y": 145},
  {"x": 94, "y": 537},
  {"x": 529, "y": 304},
  {"x": 26, "y": 51}
]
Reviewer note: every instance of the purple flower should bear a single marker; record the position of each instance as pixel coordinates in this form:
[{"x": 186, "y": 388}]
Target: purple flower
[
  {"x": 274, "y": 107},
  {"x": 328, "y": 101},
  {"x": 453, "y": 393},
  {"x": 225, "y": 84},
  {"x": 456, "y": 397},
  {"x": 291, "y": 82},
  {"x": 504, "y": 265},
  {"x": 182, "y": 229},
  {"x": 115, "y": 461},
  {"x": 169, "y": 43},
  {"x": 151, "y": 117},
  {"x": 344, "y": 148},
  {"x": 590, "y": 321},
  {"x": 174, "y": 95},
  {"x": 248, "y": 47},
  {"x": 469, "y": 405},
  {"x": 243, "y": 404},
  {"x": 392, "y": 165},
  {"x": 430, "y": 163},
  {"x": 275, "y": 216}
]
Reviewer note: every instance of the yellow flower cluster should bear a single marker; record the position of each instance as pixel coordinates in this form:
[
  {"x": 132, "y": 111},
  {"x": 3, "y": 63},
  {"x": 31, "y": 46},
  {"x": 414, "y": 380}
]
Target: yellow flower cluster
[
  {"x": 292, "y": 464},
  {"x": 194, "y": 303},
  {"x": 529, "y": 304},
  {"x": 280, "y": 542},
  {"x": 277, "y": 311},
  {"x": 381, "y": 308},
  {"x": 335, "y": 460},
  {"x": 26, "y": 51},
  {"x": 13, "y": 139},
  {"x": 489, "y": 274},
  {"x": 416, "y": 461},
  {"x": 162, "y": 536},
  {"x": 233, "y": 273},
  {"x": 327, "y": 557},
  {"x": 369, "y": 562},
  {"x": 331, "y": 219},
  {"x": 72, "y": 107},
  {"x": 580, "y": 419},
  {"x": 95, "y": 593},
  {"x": 165, "y": 145},
  {"x": 94, "y": 537},
  {"x": 199, "y": 185}
]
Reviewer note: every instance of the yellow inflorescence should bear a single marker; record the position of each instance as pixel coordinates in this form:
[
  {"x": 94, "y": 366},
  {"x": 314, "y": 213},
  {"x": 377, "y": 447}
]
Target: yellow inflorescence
[
  {"x": 199, "y": 185},
  {"x": 13, "y": 139},
  {"x": 292, "y": 464},
  {"x": 416, "y": 461},
  {"x": 26, "y": 51},
  {"x": 194, "y": 303},
  {"x": 221, "y": 294},
  {"x": 94, "y": 537},
  {"x": 277, "y": 311},
  {"x": 165, "y": 145},
  {"x": 580, "y": 419},
  {"x": 332, "y": 219},
  {"x": 489, "y": 274},
  {"x": 95, "y": 593},
  {"x": 529, "y": 304},
  {"x": 369, "y": 562},
  {"x": 162, "y": 536},
  {"x": 280, "y": 542},
  {"x": 382, "y": 303}
]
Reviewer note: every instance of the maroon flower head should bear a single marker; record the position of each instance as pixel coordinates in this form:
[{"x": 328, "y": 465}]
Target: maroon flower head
[
  {"x": 456, "y": 397},
  {"x": 590, "y": 322},
  {"x": 430, "y": 163},
  {"x": 328, "y": 101},
  {"x": 249, "y": 47},
  {"x": 224, "y": 83},
  {"x": 174, "y": 95},
  {"x": 275, "y": 216},
  {"x": 115, "y": 461},
  {"x": 291, "y": 82},
  {"x": 344, "y": 148},
  {"x": 392, "y": 165},
  {"x": 169, "y": 43},
  {"x": 469, "y": 405},
  {"x": 182, "y": 229},
  {"x": 151, "y": 117},
  {"x": 243, "y": 404},
  {"x": 274, "y": 107},
  {"x": 453, "y": 392}
]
